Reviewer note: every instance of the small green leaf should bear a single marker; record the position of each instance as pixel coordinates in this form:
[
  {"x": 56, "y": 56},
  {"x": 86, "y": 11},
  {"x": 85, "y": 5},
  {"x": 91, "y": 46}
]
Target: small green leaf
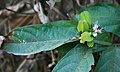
[
  {"x": 85, "y": 15},
  {"x": 86, "y": 25},
  {"x": 85, "y": 22},
  {"x": 90, "y": 44},
  {"x": 78, "y": 59},
  {"x": 82, "y": 41},
  {"x": 86, "y": 36},
  {"x": 82, "y": 26}
]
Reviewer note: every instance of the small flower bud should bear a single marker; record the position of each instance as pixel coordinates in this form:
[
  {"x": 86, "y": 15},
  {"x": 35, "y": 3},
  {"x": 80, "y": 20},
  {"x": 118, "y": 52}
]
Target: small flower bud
[{"x": 94, "y": 34}]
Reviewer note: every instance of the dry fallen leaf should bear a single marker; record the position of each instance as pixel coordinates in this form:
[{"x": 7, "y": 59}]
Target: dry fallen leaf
[
  {"x": 13, "y": 8},
  {"x": 43, "y": 18},
  {"x": 1, "y": 40}
]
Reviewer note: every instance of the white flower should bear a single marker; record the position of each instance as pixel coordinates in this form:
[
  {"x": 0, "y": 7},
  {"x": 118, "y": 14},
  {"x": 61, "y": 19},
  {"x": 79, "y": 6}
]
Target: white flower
[
  {"x": 99, "y": 30},
  {"x": 79, "y": 37},
  {"x": 96, "y": 28},
  {"x": 94, "y": 34}
]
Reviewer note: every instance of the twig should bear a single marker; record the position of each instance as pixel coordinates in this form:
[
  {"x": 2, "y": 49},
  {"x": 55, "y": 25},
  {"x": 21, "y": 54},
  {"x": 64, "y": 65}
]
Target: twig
[
  {"x": 24, "y": 63},
  {"x": 16, "y": 11},
  {"x": 92, "y": 1},
  {"x": 78, "y": 2},
  {"x": 53, "y": 60},
  {"x": 117, "y": 44},
  {"x": 3, "y": 21},
  {"x": 6, "y": 25},
  {"x": 113, "y": 38},
  {"x": 52, "y": 55},
  {"x": 21, "y": 65},
  {"x": 13, "y": 62}
]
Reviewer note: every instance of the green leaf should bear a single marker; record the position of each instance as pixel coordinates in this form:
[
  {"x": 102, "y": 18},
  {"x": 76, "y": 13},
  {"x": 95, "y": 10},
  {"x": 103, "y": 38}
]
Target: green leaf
[
  {"x": 98, "y": 48},
  {"x": 86, "y": 36},
  {"x": 82, "y": 26},
  {"x": 85, "y": 22},
  {"x": 64, "y": 49},
  {"x": 86, "y": 26},
  {"x": 87, "y": 17},
  {"x": 104, "y": 39},
  {"x": 43, "y": 37},
  {"x": 90, "y": 44},
  {"x": 107, "y": 15},
  {"x": 109, "y": 60},
  {"x": 78, "y": 59}
]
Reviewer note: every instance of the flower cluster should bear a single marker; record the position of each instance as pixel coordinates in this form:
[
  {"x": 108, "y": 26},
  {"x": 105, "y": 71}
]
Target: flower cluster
[
  {"x": 96, "y": 29},
  {"x": 87, "y": 30}
]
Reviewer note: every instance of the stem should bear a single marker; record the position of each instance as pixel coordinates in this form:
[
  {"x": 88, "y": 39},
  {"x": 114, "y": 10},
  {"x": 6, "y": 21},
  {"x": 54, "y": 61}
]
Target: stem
[
  {"x": 117, "y": 44},
  {"x": 113, "y": 38},
  {"x": 52, "y": 55}
]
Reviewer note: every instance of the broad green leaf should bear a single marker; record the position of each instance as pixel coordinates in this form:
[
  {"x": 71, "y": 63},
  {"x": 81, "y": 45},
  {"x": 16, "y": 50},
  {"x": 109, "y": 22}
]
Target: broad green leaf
[
  {"x": 43, "y": 37},
  {"x": 87, "y": 17},
  {"x": 78, "y": 59},
  {"x": 107, "y": 15},
  {"x": 109, "y": 60},
  {"x": 104, "y": 38},
  {"x": 64, "y": 49},
  {"x": 98, "y": 48},
  {"x": 102, "y": 41}
]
